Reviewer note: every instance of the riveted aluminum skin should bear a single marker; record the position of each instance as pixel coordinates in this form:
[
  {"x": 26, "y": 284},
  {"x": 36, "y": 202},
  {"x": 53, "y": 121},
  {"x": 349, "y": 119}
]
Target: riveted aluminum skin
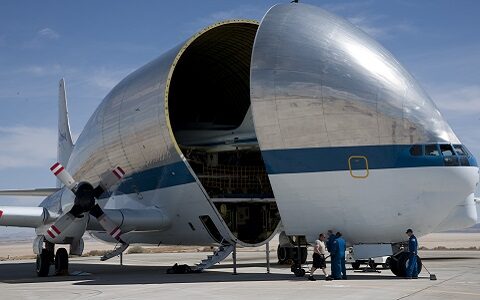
[
  {"x": 128, "y": 129},
  {"x": 131, "y": 128},
  {"x": 319, "y": 81}
]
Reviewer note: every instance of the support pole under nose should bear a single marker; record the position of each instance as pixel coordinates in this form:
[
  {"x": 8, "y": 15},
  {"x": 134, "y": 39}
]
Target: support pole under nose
[
  {"x": 267, "y": 252},
  {"x": 234, "y": 256}
]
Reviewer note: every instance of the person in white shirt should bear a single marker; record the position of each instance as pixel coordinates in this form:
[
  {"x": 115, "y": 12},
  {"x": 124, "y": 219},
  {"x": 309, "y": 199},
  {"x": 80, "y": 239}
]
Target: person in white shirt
[{"x": 319, "y": 258}]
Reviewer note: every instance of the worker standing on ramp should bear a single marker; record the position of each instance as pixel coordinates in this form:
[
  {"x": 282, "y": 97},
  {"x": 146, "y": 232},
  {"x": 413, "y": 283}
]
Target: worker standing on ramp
[
  {"x": 319, "y": 258},
  {"x": 330, "y": 241},
  {"x": 412, "y": 271},
  {"x": 341, "y": 247}
]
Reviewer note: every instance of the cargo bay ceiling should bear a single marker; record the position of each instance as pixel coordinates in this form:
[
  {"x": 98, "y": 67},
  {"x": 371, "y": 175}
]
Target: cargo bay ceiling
[{"x": 210, "y": 85}]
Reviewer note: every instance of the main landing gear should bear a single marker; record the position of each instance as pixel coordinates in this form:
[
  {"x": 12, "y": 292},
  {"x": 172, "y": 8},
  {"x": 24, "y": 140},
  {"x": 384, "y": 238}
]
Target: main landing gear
[
  {"x": 399, "y": 262},
  {"x": 47, "y": 258}
]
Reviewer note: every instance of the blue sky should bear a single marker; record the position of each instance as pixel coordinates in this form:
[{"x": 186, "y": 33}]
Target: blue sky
[{"x": 94, "y": 44}]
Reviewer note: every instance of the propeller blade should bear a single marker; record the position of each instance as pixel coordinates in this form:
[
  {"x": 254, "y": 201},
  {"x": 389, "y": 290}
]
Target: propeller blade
[
  {"x": 60, "y": 225},
  {"x": 110, "y": 227},
  {"x": 108, "y": 180},
  {"x": 59, "y": 171}
]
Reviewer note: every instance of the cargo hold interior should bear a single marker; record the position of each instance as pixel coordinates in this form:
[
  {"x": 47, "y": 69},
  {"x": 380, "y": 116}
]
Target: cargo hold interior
[{"x": 209, "y": 111}]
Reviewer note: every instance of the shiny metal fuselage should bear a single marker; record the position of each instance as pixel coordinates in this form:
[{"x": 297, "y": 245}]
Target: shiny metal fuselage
[{"x": 316, "y": 82}]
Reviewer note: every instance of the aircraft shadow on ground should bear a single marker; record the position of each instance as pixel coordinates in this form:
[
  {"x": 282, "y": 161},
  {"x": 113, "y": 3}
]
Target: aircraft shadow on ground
[{"x": 103, "y": 274}]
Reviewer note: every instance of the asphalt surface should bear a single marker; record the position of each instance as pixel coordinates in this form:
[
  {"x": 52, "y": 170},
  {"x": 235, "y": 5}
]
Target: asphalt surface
[{"x": 143, "y": 276}]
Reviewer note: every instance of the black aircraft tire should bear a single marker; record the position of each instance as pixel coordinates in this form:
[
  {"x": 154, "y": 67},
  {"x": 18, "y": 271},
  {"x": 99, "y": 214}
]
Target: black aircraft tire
[
  {"x": 399, "y": 263},
  {"x": 282, "y": 254},
  {"x": 395, "y": 264},
  {"x": 61, "y": 262},
  {"x": 299, "y": 272},
  {"x": 43, "y": 264},
  {"x": 419, "y": 264},
  {"x": 304, "y": 254},
  {"x": 356, "y": 265}
]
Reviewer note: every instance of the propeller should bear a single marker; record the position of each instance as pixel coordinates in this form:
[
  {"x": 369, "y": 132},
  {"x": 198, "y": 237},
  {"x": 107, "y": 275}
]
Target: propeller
[{"x": 85, "y": 201}]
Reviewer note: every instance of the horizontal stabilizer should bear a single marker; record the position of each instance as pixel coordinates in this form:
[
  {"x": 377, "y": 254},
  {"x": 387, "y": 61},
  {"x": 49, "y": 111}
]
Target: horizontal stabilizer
[
  {"x": 22, "y": 216},
  {"x": 33, "y": 192}
]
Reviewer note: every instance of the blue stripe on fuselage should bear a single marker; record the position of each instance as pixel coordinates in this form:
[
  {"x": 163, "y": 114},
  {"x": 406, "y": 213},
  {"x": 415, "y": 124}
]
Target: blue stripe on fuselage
[
  {"x": 155, "y": 178},
  {"x": 336, "y": 158},
  {"x": 289, "y": 161}
]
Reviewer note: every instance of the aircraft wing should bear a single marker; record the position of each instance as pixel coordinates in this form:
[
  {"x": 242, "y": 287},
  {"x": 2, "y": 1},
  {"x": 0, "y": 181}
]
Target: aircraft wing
[
  {"x": 32, "y": 192},
  {"x": 22, "y": 216}
]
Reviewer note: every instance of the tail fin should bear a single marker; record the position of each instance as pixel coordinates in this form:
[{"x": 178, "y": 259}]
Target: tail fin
[{"x": 65, "y": 143}]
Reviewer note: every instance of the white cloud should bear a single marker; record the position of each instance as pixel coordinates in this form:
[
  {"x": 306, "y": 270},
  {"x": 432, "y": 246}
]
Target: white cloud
[
  {"x": 105, "y": 79},
  {"x": 48, "y": 33},
  {"x": 42, "y": 37},
  {"x": 27, "y": 146},
  {"x": 370, "y": 24},
  {"x": 37, "y": 70},
  {"x": 458, "y": 100}
]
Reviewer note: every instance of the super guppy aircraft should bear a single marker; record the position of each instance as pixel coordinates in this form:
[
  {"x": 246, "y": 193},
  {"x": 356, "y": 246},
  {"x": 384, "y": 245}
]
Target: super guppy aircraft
[{"x": 300, "y": 123}]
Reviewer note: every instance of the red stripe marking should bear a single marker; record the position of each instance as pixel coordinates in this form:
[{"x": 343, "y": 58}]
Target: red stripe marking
[
  {"x": 54, "y": 166},
  {"x": 59, "y": 171},
  {"x": 116, "y": 174},
  {"x": 55, "y": 229},
  {"x": 121, "y": 170},
  {"x": 113, "y": 231},
  {"x": 1, "y": 213},
  {"x": 50, "y": 234}
]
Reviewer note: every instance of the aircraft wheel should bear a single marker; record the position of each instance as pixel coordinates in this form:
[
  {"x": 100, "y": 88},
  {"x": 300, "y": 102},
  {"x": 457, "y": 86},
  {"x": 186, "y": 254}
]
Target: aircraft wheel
[
  {"x": 304, "y": 254},
  {"x": 399, "y": 264},
  {"x": 387, "y": 263},
  {"x": 356, "y": 265},
  {"x": 61, "y": 262},
  {"x": 43, "y": 263},
  {"x": 299, "y": 272},
  {"x": 419, "y": 264},
  {"x": 396, "y": 263},
  {"x": 282, "y": 254}
]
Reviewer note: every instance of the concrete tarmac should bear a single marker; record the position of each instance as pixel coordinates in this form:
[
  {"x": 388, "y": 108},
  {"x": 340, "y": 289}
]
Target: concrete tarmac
[{"x": 143, "y": 276}]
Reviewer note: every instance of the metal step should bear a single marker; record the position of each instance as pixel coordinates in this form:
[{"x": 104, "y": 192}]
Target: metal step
[{"x": 219, "y": 255}]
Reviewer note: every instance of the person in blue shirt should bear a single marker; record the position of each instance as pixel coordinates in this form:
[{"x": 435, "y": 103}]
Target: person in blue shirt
[
  {"x": 412, "y": 271},
  {"x": 341, "y": 248}
]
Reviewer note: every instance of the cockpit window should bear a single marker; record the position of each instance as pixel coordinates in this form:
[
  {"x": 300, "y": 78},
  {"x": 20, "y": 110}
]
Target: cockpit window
[
  {"x": 460, "y": 150},
  {"x": 416, "y": 150},
  {"x": 432, "y": 150},
  {"x": 447, "y": 150}
]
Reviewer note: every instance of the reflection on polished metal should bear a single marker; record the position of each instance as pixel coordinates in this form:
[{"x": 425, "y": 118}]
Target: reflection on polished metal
[
  {"x": 131, "y": 127},
  {"x": 318, "y": 81}
]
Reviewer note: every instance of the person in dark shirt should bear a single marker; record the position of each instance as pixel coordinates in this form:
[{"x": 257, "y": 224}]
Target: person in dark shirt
[
  {"x": 330, "y": 244},
  {"x": 412, "y": 271}
]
